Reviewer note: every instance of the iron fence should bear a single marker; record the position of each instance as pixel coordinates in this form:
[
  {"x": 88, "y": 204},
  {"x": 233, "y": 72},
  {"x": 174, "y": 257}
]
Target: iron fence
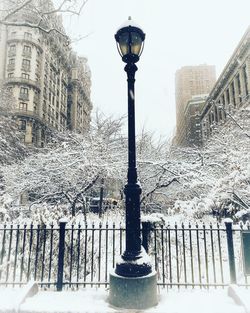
[{"x": 68, "y": 255}]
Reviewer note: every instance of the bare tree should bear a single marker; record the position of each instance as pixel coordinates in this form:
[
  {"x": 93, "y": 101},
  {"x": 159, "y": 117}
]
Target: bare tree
[
  {"x": 39, "y": 14},
  {"x": 11, "y": 147},
  {"x": 68, "y": 168}
]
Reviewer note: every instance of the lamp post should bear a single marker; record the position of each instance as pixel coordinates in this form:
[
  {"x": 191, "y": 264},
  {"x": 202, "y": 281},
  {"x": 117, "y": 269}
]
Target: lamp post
[
  {"x": 130, "y": 42},
  {"x": 133, "y": 284}
]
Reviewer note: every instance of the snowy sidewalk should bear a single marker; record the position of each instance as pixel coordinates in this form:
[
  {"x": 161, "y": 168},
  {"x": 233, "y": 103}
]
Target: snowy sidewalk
[{"x": 95, "y": 301}]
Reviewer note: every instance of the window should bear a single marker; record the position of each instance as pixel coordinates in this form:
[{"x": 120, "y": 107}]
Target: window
[
  {"x": 238, "y": 83},
  {"x": 27, "y": 35},
  {"x": 228, "y": 96},
  {"x": 24, "y": 94},
  {"x": 26, "y": 50},
  {"x": 223, "y": 100},
  {"x": 233, "y": 93},
  {"x": 216, "y": 118},
  {"x": 10, "y": 75},
  {"x": 12, "y": 49},
  {"x": 11, "y": 65},
  {"x": 25, "y": 76},
  {"x": 26, "y": 63},
  {"x": 245, "y": 79},
  {"x": 13, "y": 34},
  {"x": 23, "y": 106},
  {"x": 24, "y": 91},
  {"x": 22, "y": 125},
  {"x": 220, "y": 114}
]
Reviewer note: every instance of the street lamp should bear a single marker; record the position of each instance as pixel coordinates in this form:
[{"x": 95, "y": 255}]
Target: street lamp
[
  {"x": 133, "y": 284},
  {"x": 130, "y": 41}
]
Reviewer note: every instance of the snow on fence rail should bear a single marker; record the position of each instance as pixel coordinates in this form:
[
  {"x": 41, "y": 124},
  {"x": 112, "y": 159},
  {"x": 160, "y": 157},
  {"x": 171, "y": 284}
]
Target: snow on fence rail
[{"x": 68, "y": 255}]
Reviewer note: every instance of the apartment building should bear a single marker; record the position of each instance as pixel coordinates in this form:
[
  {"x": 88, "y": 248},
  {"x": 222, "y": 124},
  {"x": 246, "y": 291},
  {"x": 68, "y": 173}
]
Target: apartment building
[
  {"x": 190, "y": 81},
  {"x": 192, "y": 114},
  {"x": 231, "y": 90},
  {"x": 50, "y": 83}
]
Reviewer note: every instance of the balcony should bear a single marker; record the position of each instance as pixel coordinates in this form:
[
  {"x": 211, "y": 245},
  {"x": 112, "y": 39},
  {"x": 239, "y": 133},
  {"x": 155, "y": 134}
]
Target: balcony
[
  {"x": 23, "y": 81},
  {"x": 11, "y": 53},
  {"x": 23, "y": 97},
  {"x": 27, "y": 113},
  {"x": 25, "y": 68},
  {"x": 10, "y": 67},
  {"x": 21, "y": 38},
  {"x": 27, "y": 54}
]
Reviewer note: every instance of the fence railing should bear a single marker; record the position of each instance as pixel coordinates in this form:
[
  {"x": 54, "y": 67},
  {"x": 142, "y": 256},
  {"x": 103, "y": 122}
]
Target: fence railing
[
  {"x": 197, "y": 255},
  {"x": 68, "y": 255}
]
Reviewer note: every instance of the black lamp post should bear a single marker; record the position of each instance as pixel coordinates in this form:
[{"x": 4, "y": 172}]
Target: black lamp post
[
  {"x": 133, "y": 284},
  {"x": 130, "y": 42}
]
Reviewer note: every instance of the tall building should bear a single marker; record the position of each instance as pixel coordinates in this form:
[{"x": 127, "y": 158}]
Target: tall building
[
  {"x": 50, "y": 83},
  {"x": 231, "y": 91},
  {"x": 190, "y": 81}
]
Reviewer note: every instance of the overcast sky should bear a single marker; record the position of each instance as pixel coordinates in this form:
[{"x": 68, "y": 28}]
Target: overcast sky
[{"x": 178, "y": 33}]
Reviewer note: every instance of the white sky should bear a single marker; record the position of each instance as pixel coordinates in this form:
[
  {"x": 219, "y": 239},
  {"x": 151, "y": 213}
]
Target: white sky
[{"x": 178, "y": 33}]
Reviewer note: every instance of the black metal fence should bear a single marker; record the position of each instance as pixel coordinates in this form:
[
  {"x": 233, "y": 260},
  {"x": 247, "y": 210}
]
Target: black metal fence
[{"x": 68, "y": 255}]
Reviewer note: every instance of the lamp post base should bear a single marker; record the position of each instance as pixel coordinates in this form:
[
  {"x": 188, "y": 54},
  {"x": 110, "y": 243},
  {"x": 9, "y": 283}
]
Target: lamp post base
[
  {"x": 133, "y": 264},
  {"x": 133, "y": 292}
]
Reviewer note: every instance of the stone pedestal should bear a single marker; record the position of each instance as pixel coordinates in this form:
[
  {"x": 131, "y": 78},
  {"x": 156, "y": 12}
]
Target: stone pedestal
[{"x": 133, "y": 292}]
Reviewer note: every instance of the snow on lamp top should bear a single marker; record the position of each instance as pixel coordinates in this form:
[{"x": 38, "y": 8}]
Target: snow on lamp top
[{"x": 130, "y": 41}]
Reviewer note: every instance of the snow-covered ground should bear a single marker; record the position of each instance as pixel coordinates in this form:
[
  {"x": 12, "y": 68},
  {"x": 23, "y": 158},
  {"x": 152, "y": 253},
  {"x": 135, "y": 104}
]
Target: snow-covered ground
[{"x": 95, "y": 300}]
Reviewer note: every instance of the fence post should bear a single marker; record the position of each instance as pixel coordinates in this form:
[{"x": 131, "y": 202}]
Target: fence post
[
  {"x": 230, "y": 248},
  {"x": 62, "y": 225},
  {"x": 146, "y": 228}
]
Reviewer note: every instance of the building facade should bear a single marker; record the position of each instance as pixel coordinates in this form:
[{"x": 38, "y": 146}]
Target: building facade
[
  {"x": 50, "y": 83},
  {"x": 190, "y": 81},
  {"x": 231, "y": 90},
  {"x": 192, "y": 114}
]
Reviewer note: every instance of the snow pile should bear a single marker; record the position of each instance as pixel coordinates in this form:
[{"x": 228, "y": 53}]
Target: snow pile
[
  {"x": 96, "y": 300},
  {"x": 9, "y": 299}
]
